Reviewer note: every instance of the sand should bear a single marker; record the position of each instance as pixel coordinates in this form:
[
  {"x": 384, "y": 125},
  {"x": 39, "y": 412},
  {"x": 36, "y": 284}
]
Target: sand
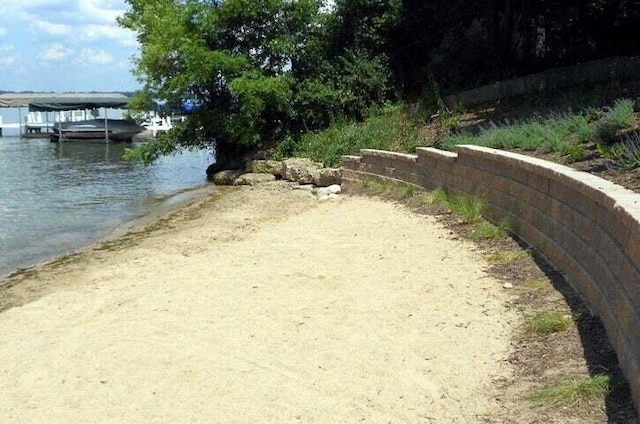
[{"x": 262, "y": 305}]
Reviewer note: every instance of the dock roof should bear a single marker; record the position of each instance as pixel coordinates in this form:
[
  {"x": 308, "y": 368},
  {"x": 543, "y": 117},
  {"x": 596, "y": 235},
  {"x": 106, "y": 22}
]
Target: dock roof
[{"x": 63, "y": 101}]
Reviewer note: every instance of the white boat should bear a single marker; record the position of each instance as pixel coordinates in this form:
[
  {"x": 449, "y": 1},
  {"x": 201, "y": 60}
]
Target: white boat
[
  {"x": 156, "y": 124},
  {"x": 116, "y": 130}
]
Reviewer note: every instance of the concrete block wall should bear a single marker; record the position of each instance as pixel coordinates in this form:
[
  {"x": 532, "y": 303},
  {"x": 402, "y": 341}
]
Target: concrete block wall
[
  {"x": 587, "y": 227},
  {"x": 595, "y": 71}
]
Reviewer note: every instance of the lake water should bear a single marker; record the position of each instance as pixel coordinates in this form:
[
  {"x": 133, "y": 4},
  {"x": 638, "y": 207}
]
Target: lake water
[{"x": 55, "y": 198}]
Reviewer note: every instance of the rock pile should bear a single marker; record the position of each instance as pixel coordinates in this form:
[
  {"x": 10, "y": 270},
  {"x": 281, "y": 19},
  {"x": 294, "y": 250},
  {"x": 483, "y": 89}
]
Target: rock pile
[{"x": 323, "y": 182}]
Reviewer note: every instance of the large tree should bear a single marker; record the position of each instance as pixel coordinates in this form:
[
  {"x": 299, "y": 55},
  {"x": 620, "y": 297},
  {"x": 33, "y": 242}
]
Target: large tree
[{"x": 232, "y": 59}]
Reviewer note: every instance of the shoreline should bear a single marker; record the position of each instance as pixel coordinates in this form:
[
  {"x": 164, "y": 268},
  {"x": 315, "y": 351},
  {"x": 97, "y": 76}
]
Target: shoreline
[
  {"x": 204, "y": 313},
  {"x": 162, "y": 208}
]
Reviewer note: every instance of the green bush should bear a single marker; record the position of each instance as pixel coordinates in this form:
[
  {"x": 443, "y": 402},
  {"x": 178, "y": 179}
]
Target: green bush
[
  {"x": 615, "y": 118},
  {"x": 390, "y": 130}
]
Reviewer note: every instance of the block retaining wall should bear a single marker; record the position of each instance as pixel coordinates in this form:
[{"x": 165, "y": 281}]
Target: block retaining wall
[{"x": 587, "y": 227}]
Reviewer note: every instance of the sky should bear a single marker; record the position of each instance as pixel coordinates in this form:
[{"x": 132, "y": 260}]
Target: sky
[{"x": 65, "y": 45}]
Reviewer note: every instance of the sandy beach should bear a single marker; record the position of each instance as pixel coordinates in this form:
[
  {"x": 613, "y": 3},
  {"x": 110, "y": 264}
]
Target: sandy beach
[{"x": 260, "y": 305}]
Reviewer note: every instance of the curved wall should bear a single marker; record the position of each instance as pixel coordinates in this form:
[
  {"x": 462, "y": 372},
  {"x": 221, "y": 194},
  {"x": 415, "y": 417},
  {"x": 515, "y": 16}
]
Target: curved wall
[{"x": 587, "y": 227}]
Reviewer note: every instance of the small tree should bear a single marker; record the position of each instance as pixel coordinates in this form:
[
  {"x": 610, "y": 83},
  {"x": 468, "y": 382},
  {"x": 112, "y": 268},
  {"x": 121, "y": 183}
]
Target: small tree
[{"x": 230, "y": 58}]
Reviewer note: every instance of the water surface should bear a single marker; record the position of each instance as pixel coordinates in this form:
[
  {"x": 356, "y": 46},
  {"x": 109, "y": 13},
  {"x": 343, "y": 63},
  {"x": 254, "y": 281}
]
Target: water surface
[{"x": 60, "y": 197}]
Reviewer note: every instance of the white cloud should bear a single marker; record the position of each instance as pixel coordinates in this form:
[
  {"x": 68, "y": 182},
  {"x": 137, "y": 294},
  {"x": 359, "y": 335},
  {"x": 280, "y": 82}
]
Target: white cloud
[
  {"x": 50, "y": 28},
  {"x": 101, "y": 10},
  {"x": 96, "y": 57},
  {"x": 55, "y": 53},
  {"x": 3, "y": 32},
  {"x": 112, "y": 32}
]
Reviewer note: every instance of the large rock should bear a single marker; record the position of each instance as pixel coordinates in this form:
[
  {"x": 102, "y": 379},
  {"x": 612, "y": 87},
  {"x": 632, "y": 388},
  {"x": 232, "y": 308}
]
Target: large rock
[
  {"x": 227, "y": 177},
  {"x": 300, "y": 170},
  {"x": 273, "y": 167},
  {"x": 327, "y": 176},
  {"x": 253, "y": 179}
]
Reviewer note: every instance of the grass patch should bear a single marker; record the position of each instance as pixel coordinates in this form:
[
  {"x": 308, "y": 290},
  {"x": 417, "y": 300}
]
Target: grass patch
[
  {"x": 564, "y": 134},
  {"x": 469, "y": 207},
  {"x": 547, "y": 322},
  {"x": 506, "y": 257},
  {"x": 623, "y": 155},
  {"x": 485, "y": 230},
  {"x": 573, "y": 391},
  {"x": 392, "y": 129},
  {"x": 616, "y": 118},
  {"x": 537, "y": 284}
]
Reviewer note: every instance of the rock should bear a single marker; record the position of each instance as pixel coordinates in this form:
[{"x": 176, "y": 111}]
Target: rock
[
  {"x": 328, "y": 197},
  {"x": 327, "y": 176},
  {"x": 321, "y": 192},
  {"x": 227, "y": 177},
  {"x": 334, "y": 189},
  {"x": 507, "y": 285},
  {"x": 300, "y": 170},
  {"x": 327, "y": 193},
  {"x": 253, "y": 179},
  {"x": 273, "y": 167}
]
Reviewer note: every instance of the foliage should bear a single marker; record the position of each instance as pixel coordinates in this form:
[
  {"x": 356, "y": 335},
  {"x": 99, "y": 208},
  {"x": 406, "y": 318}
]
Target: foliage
[
  {"x": 562, "y": 134},
  {"x": 507, "y": 256},
  {"x": 625, "y": 154},
  {"x": 546, "y": 322},
  {"x": 573, "y": 391},
  {"x": 229, "y": 58},
  {"x": 615, "y": 118},
  {"x": 264, "y": 72},
  {"x": 485, "y": 230},
  {"x": 391, "y": 129}
]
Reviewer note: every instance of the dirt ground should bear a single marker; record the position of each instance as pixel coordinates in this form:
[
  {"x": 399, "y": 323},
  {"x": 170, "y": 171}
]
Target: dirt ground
[{"x": 262, "y": 305}]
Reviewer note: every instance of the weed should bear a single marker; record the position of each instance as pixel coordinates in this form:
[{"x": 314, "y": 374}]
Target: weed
[
  {"x": 572, "y": 392},
  {"x": 537, "y": 284},
  {"x": 615, "y": 118},
  {"x": 623, "y": 155},
  {"x": 391, "y": 129},
  {"x": 375, "y": 187},
  {"x": 471, "y": 208},
  {"x": 440, "y": 196},
  {"x": 407, "y": 191},
  {"x": 485, "y": 230},
  {"x": 547, "y": 322},
  {"x": 421, "y": 200},
  {"x": 507, "y": 256}
]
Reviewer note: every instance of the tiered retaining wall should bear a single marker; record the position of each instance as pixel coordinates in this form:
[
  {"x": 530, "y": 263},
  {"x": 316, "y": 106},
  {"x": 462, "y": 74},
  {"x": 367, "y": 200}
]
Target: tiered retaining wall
[{"x": 587, "y": 227}]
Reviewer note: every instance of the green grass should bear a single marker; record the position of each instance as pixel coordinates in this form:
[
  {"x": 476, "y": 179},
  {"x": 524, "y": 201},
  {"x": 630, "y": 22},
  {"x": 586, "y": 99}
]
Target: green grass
[
  {"x": 547, "y": 322},
  {"x": 616, "y": 118},
  {"x": 469, "y": 207},
  {"x": 625, "y": 154},
  {"x": 572, "y": 392},
  {"x": 566, "y": 135},
  {"x": 392, "y": 130},
  {"x": 563, "y": 134},
  {"x": 484, "y": 230},
  {"x": 537, "y": 284},
  {"x": 506, "y": 257}
]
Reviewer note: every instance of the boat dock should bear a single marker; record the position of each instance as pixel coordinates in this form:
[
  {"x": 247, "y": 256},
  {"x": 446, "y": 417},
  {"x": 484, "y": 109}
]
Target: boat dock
[{"x": 40, "y": 114}]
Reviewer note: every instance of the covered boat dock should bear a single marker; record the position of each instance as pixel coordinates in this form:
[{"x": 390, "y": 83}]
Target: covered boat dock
[{"x": 56, "y": 102}]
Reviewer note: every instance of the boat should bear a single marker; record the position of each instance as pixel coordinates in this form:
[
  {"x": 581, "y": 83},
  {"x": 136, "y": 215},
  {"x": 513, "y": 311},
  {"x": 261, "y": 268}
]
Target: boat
[{"x": 116, "y": 130}]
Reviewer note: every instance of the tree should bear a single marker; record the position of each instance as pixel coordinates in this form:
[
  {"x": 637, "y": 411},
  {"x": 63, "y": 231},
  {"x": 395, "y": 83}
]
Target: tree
[{"x": 231, "y": 58}]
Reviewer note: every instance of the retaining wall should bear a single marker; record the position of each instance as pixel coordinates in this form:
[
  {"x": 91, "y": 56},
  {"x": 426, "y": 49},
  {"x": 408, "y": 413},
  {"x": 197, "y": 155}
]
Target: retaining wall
[
  {"x": 587, "y": 227},
  {"x": 595, "y": 71}
]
